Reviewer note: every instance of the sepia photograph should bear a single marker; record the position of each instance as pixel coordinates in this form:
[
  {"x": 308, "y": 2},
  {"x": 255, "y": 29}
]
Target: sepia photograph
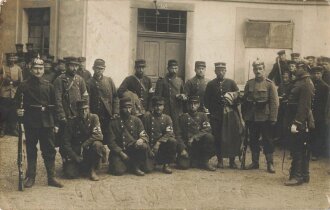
[{"x": 164, "y": 104}]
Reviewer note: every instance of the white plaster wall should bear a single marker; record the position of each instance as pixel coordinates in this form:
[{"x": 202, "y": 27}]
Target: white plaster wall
[{"x": 107, "y": 37}]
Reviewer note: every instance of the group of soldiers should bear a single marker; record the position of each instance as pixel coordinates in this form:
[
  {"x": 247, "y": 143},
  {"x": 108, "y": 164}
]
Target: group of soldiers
[{"x": 175, "y": 122}]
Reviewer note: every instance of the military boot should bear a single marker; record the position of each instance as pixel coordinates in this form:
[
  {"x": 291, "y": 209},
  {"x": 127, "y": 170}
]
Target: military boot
[
  {"x": 255, "y": 161},
  {"x": 305, "y": 169},
  {"x": 30, "y": 172},
  {"x": 92, "y": 173},
  {"x": 2, "y": 130},
  {"x": 293, "y": 182},
  {"x": 270, "y": 166},
  {"x": 220, "y": 162},
  {"x": 50, "y": 168},
  {"x": 232, "y": 163},
  {"x": 295, "y": 175},
  {"x": 167, "y": 169}
]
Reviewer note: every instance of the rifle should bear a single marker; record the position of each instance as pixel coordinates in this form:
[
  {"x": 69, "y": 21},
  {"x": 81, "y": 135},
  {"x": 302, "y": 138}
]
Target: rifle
[
  {"x": 21, "y": 139},
  {"x": 244, "y": 147},
  {"x": 279, "y": 70}
]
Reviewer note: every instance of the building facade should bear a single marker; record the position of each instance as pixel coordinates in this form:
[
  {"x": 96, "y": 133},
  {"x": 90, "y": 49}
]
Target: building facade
[{"x": 120, "y": 31}]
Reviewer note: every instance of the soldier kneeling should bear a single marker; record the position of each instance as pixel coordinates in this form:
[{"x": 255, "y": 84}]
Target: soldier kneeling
[
  {"x": 159, "y": 128},
  {"x": 194, "y": 135},
  {"x": 128, "y": 142},
  {"x": 82, "y": 135}
]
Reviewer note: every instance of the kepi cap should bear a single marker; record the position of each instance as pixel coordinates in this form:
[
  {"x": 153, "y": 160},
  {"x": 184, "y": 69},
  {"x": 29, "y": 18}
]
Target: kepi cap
[
  {"x": 172, "y": 62},
  {"x": 140, "y": 63},
  {"x": 200, "y": 63},
  {"x": 157, "y": 100},
  {"x": 99, "y": 63},
  {"x": 220, "y": 65},
  {"x": 281, "y": 52},
  {"x": 125, "y": 101},
  {"x": 193, "y": 99}
]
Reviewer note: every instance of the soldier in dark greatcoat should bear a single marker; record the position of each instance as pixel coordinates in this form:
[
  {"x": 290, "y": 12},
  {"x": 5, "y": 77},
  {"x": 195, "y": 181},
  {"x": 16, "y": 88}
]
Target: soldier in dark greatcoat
[
  {"x": 215, "y": 102},
  {"x": 82, "y": 143},
  {"x": 171, "y": 87},
  {"x": 82, "y": 71},
  {"x": 35, "y": 101},
  {"x": 103, "y": 97},
  {"x": 196, "y": 85},
  {"x": 259, "y": 109},
  {"x": 299, "y": 120},
  {"x": 194, "y": 135},
  {"x": 162, "y": 140},
  {"x": 318, "y": 134},
  {"x": 128, "y": 142},
  {"x": 138, "y": 83},
  {"x": 278, "y": 68}
]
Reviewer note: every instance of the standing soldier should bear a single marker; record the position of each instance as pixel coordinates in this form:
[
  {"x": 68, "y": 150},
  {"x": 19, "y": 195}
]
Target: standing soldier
[
  {"x": 295, "y": 57},
  {"x": 103, "y": 97},
  {"x": 19, "y": 50},
  {"x": 82, "y": 136},
  {"x": 318, "y": 134},
  {"x": 310, "y": 60},
  {"x": 172, "y": 90},
  {"x": 260, "y": 108},
  {"x": 195, "y": 136},
  {"x": 50, "y": 75},
  {"x": 278, "y": 68},
  {"x": 38, "y": 99},
  {"x": 196, "y": 86},
  {"x": 82, "y": 71},
  {"x": 299, "y": 119},
  {"x": 138, "y": 83},
  {"x": 128, "y": 142},
  {"x": 10, "y": 78},
  {"x": 215, "y": 102},
  {"x": 161, "y": 136}
]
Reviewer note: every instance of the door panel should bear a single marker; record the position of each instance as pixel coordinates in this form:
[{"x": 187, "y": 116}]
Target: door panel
[{"x": 157, "y": 51}]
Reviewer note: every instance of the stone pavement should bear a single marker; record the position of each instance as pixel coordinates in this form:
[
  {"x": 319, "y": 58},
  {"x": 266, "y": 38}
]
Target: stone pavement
[{"x": 191, "y": 189}]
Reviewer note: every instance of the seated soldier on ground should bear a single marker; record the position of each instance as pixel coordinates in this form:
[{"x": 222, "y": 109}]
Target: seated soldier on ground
[
  {"x": 194, "y": 135},
  {"x": 82, "y": 135},
  {"x": 128, "y": 142},
  {"x": 162, "y": 140}
]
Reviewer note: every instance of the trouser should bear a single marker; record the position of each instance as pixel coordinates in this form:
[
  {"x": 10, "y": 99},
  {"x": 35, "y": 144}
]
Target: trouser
[
  {"x": 300, "y": 152},
  {"x": 166, "y": 154},
  {"x": 8, "y": 116},
  {"x": 263, "y": 130},
  {"x": 318, "y": 138},
  {"x": 91, "y": 158},
  {"x": 105, "y": 129},
  {"x": 45, "y": 136},
  {"x": 201, "y": 151},
  {"x": 216, "y": 125},
  {"x": 138, "y": 155}
]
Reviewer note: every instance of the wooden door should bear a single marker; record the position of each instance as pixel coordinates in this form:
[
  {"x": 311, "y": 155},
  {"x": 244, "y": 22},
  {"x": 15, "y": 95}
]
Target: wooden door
[{"x": 157, "y": 51}]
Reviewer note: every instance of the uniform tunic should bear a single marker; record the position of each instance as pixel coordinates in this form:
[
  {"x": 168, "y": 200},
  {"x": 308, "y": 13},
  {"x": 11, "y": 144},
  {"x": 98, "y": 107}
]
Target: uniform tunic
[{"x": 196, "y": 87}]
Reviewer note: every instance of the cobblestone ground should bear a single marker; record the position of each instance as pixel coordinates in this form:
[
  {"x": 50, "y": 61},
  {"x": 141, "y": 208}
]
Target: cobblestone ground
[{"x": 192, "y": 189}]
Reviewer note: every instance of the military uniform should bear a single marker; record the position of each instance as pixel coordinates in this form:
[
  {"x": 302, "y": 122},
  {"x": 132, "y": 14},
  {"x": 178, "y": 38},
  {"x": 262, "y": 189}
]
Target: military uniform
[
  {"x": 195, "y": 136},
  {"x": 318, "y": 135},
  {"x": 123, "y": 137},
  {"x": 169, "y": 88},
  {"x": 260, "y": 109},
  {"x": 82, "y": 136},
  {"x": 299, "y": 115},
  {"x": 196, "y": 87},
  {"x": 103, "y": 100},
  {"x": 161, "y": 135},
  {"x": 139, "y": 86},
  {"x": 38, "y": 104},
  {"x": 278, "y": 69},
  {"x": 85, "y": 74},
  {"x": 10, "y": 78},
  {"x": 215, "y": 102}
]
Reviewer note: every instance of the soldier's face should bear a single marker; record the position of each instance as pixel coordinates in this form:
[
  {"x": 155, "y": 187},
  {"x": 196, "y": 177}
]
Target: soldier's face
[
  {"x": 282, "y": 57},
  {"x": 83, "y": 65},
  {"x": 158, "y": 108},
  {"x": 295, "y": 59},
  {"x": 126, "y": 110},
  {"x": 200, "y": 71},
  {"x": 292, "y": 68},
  {"x": 83, "y": 113},
  {"x": 310, "y": 61},
  {"x": 29, "y": 48},
  {"x": 259, "y": 71},
  {"x": 11, "y": 60},
  {"x": 37, "y": 71},
  {"x": 139, "y": 70},
  {"x": 317, "y": 75},
  {"x": 286, "y": 78},
  {"x": 173, "y": 69},
  {"x": 193, "y": 106},
  {"x": 72, "y": 68},
  {"x": 220, "y": 72},
  {"x": 19, "y": 49},
  {"x": 98, "y": 71}
]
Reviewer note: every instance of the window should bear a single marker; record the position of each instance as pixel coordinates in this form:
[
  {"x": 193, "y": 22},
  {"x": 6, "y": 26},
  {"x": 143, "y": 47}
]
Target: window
[
  {"x": 165, "y": 21},
  {"x": 269, "y": 34},
  {"x": 38, "y": 24}
]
